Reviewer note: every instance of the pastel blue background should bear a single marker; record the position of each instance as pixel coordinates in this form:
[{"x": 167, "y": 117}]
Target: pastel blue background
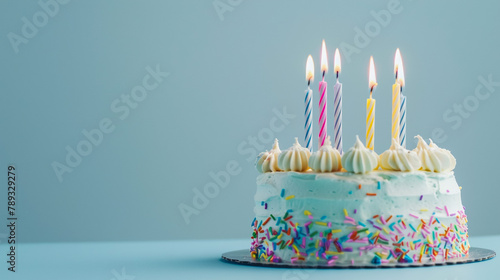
[{"x": 226, "y": 77}]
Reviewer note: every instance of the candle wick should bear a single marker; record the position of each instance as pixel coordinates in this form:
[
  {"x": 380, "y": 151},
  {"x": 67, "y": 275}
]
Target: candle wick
[
  {"x": 337, "y": 76},
  {"x": 323, "y": 76},
  {"x": 308, "y": 82}
]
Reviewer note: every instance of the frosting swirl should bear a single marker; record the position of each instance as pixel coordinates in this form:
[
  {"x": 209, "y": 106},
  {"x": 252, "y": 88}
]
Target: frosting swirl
[
  {"x": 295, "y": 158},
  {"x": 359, "y": 159},
  {"x": 398, "y": 158},
  {"x": 433, "y": 158},
  {"x": 268, "y": 160},
  {"x": 326, "y": 159},
  {"x": 453, "y": 160}
]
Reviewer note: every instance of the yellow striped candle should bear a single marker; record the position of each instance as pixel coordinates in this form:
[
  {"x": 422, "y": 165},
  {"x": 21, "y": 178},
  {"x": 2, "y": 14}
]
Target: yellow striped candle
[
  {"x": 370, "y": 122},
  {"x": 370, "y": 108},
  {"x": 396, "y": 100}
]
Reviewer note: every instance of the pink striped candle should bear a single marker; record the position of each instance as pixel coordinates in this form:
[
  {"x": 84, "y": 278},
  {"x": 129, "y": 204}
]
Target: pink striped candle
[{"x": 323, "y": 98}]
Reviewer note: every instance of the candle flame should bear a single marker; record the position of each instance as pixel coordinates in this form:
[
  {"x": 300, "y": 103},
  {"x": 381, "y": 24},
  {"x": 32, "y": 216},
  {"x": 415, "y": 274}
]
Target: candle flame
[
  {"x": 324, "y": 58},
  {"x": 398, "y": 68},
  {"x": 336, "y": 62},
  {"x": 372, "y": 77},
  {"x": 309, "y": 69}
]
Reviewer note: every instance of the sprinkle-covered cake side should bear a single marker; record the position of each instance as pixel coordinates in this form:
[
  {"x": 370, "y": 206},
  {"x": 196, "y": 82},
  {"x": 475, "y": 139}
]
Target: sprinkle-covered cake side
[{"x": 341, "y": 217}]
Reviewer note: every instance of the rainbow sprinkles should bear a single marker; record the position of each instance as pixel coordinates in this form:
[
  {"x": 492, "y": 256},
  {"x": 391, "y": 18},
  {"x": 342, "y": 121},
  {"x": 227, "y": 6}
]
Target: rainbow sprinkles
[
  {"x": 402, "y": 240},
  {"x": 328, "y": 217}
]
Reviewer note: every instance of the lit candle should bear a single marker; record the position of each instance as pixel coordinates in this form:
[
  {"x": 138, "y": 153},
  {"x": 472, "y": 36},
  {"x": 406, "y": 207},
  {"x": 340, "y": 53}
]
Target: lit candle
[
  {"x": 370, "y": 108},
  {"x": 396, "y": 100},
  {"x": 323, "y": 98},
  {"x": 308, "y": 103},
  {"x": 337, "y": 90},
  {"x": 400, "y": 79}
]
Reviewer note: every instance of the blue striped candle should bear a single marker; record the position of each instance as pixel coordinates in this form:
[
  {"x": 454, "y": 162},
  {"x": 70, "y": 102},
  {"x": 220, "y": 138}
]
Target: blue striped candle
[
  {"x": 337, "y": 129},
  {"x": 400, "y": 83},
  {"x": 308, "y": 116},
  {"x": 402, "y": 121},
  {"x": 337, "y": 105},
  {"x": 308, "y": 104}
]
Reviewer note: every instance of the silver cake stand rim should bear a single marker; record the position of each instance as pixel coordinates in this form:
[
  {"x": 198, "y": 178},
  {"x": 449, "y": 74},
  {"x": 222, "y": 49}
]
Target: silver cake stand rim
[{"x": 242, "y": 257}]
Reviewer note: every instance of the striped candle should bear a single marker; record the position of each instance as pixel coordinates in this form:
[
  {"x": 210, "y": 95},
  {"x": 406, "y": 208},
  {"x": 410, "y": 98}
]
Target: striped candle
[
  {"x": 337, "y": 105},
  {"x": 323, "y": 98},
  {"x": 370, "y": 122},
  {"x": 400, "y": 79},
  {"x": 322, "y": 114},
  {"x": 398, "y": 120},
  {"x": 308, "y": 116},
  {"x": 308, "y": 104},
  {"x": 402, "y": 122},
  {"x": 396, "y": 93},
  {"x": 370, "y": 108}
]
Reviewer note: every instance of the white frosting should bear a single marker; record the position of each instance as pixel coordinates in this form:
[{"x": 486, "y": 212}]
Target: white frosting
[
  {"x": 398, "y": 158},
  {"x": 268, "y": 160},
  {"x": 453, "y": 160},
  {"x": 326, "y": 159},
  {"x": 359, "y": 159},
  {"x": 433, "y": 158},
  {"x": 294, "y": 159}
]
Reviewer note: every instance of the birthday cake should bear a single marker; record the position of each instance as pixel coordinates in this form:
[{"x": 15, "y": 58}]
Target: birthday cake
[
  {"x": 356, "y": 207},
  {"x": 401, "y": 206}
]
